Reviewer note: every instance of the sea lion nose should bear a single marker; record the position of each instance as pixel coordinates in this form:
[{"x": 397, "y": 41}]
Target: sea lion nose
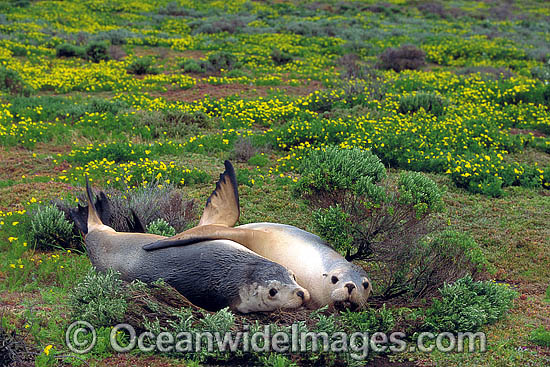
[
  {"x": 303, "y": 294},
  {"x": 350, "y": 287}
]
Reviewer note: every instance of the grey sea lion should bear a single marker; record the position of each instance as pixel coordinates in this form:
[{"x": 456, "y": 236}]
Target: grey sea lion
[
  {"x": 212, "y": 274},
  {"x": 327, "y": 275}
]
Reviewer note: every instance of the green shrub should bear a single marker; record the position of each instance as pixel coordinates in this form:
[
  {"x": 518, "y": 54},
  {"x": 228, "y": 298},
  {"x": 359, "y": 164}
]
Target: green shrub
[
  {"x": 370, "y": 320},
  {"x": 547, "y": 296},
  {"x": 332, "y": 224},
  {"x": 280, "y": 57},
  {"x": 389, "y": 225},
  {"x": 421, "y": 192},
  {"x": 174, "y": 123},
  {"x": 336, "y": 169},
  {"x": 466, "y": 305},
  {"x": 540, "y": 336},
  {"x": 97, "y": 51},
  {"x": 69, "y": 50},
  {"x": 161, "y": 227},
  {"x": 402, "y": 58},
  {"x": 541, "y": 72},
  {"x": 49, "y": 229},
  {"x": 214, "y": 63},
  {"x": 430, "y": 102},
  {"x": 221, "y": 60},
  {"x": 99, "y": 298},
  {"x": 12, "y": 83},
  {"x": 193, "y": 66},
  {"x": 244, "y": 150},
  {"x": 142, "y": 65}
]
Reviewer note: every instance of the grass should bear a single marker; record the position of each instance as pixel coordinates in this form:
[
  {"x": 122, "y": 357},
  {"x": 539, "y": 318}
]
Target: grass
[{"x": 266, "y": 100}]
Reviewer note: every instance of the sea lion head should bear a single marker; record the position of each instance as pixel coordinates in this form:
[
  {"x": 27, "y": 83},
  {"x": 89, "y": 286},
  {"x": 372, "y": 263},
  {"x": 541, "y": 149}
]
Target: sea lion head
[
  {"x": 348, "y": 286},
  {"x": 275, "y": 288}
]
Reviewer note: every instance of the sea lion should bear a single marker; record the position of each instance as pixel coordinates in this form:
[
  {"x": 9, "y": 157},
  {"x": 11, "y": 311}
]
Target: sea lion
[
  {"x": 212, "y": 274},
  {"x": 327, "y": 275}
]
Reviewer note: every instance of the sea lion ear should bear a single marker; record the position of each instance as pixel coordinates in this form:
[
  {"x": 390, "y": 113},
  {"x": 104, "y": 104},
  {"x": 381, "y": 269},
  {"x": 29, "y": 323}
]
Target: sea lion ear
[
  {"x": 325, "y": 274},
  {"x": 222, "y": 207}
]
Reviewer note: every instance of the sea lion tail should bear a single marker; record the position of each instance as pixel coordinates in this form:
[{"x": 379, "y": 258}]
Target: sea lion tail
[
  {"x": 222, "y": 207},
  {"x": 93, "y": 218}
]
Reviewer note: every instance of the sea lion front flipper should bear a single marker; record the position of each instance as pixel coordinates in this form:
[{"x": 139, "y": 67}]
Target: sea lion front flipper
[
  {"x": 207, "y": 233},
  {"x": 222, "y": 207}
]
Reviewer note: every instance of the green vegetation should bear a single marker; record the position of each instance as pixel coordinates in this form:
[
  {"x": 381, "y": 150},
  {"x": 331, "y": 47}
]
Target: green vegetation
[
  {"x": 49, "y": 229},
  {"x": 161, "y": 227},
  {"x": 99, "y": 299},
  {"x": 467, "y": 305},
  {"x": 413, "y": 136}
]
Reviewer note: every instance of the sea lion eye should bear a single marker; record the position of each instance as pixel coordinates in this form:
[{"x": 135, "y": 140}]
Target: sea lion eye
[
  {"x": 365, "y": 284},
  {"x": 334, "y": 279},
  {"x": 272, "y": 292}
]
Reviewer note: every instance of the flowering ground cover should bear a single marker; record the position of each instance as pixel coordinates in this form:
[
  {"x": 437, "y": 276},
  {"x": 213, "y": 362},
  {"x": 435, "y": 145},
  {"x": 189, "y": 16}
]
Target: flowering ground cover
[{"x": 92, "y": 87}]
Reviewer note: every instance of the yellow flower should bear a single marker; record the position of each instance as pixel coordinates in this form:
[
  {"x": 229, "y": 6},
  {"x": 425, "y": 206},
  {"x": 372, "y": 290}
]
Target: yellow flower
[
  {"x": 14, "y": 223},
  {"x": 47, "y": 349},
  {"x": 11, "y": 239},
  {"x": 12, "y": 266}
]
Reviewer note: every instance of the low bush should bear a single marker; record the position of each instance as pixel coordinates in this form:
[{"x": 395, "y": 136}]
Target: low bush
[
  {"x": 370, "y": 320},
  {"x": 331, "y": 171},
  {"x": 151, "y": 203},
  {"x": 193, "y": 66},
  {"x": 406, "y": 57},
  {"x": 49, "y": 229},
  {"x": 69, "y": 50},
  {"x": 390, "y": 225},
  {"x": 97, "y": 51},
  {"x": 221, "y": 60},
  {"x": 174, "y": 123},
  {"x": 430, "y": 102},
  {"x": 161, "y": 227},
  {"x": 466, "y": 305},
  {"x": 141, "y": 66},
  {"x": 243, "y": 150},
  {"x": 12, "y": 83},
  {"x": 541, "y": 72},
  {"x": 116, "y": 52},
  {"x": 280, "y": 57},
  {"x": 214, "y": 63},
  {"x": 351, "y": 64},
  {"x": 99, "y": 298}
]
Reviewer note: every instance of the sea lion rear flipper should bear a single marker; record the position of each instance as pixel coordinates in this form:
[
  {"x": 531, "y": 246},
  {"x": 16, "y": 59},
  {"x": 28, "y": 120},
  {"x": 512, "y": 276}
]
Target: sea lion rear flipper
[
  {"x": 135, "y": 224},
  {"x": 222, "y": 207},
  {"x": 207, "y": 233},
  {"x": 93, "y": 218}
]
